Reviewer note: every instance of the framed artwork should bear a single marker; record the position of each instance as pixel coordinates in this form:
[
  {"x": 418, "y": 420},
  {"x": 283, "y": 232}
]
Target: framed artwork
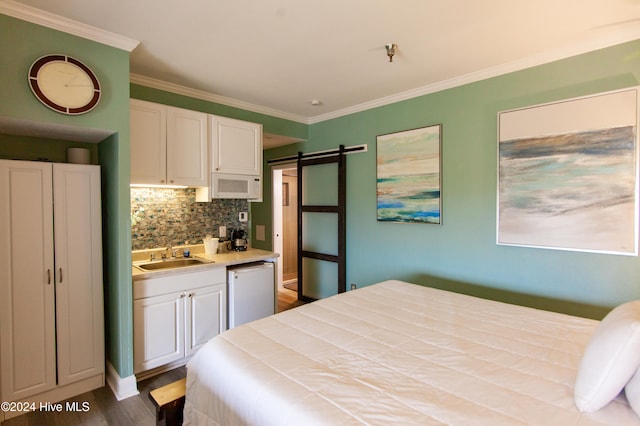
[
  {"x": 568, "y": 174},
  {"x": 409, "y": 176}
]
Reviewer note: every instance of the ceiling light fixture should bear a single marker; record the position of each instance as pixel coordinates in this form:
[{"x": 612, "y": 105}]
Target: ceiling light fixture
[
  {"x": 316, "y": 102},
  {"x": 391, "y": 50}
]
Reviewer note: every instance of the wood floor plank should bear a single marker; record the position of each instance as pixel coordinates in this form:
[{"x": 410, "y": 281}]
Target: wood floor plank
[{"x": 288, "y": 299}]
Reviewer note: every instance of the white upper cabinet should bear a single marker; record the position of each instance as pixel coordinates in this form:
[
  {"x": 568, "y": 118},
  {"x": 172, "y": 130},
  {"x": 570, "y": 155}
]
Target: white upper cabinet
[
  {"x": 187, "y": 147},
  {"x": 168, "y": 145},
  {"x": 236, "y": 160},
  {"x": 236, "y": 146},
  {"x": 148, "y": 143}
]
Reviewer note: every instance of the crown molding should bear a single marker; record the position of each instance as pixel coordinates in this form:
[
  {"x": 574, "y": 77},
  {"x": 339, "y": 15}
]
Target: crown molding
[
  {"x": 529, "y": 62},
  {"x": 595, "y": 43},
  {"x": 60, "y": 23},
  {"x": 600, "y": 40},
  {"x": 207, "y": 96}
]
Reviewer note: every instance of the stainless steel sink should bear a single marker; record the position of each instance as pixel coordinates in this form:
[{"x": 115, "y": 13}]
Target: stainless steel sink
[{"x": 171, "y": 263}]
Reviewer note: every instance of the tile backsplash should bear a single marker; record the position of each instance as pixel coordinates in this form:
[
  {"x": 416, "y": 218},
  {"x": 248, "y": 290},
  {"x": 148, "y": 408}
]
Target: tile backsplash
[{"x": 162, "y": 216}]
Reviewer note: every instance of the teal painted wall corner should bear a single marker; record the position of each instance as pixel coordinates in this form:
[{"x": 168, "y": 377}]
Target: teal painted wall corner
[{"x": 22, "y": 43}]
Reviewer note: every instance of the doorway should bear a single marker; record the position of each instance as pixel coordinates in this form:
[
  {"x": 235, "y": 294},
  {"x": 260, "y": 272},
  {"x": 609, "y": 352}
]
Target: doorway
[
  {"x": 285, "y": 224},
  {"x": 321, "y": 256}
]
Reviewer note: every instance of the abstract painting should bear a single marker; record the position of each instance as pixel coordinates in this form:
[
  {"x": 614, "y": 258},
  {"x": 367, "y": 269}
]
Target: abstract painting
[
  {"x": 568, "y": 174},
  {"x": 409, "y": 176}
]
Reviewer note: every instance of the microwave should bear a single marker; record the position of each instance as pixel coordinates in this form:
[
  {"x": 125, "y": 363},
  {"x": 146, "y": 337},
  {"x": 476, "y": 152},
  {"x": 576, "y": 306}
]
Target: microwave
[{"x": 235, "y": 186}]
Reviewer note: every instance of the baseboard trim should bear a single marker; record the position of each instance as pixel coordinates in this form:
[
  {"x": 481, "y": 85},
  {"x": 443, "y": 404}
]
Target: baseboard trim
[
  {"x": 121, "y": 388},
  {"x": 143, "y": 375}
]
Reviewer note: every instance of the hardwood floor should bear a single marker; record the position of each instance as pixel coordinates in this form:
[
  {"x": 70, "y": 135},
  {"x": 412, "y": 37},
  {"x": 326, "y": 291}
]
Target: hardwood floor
[
  {"x": 287, "y": 299},
  {"x": 104, "y": 409}
]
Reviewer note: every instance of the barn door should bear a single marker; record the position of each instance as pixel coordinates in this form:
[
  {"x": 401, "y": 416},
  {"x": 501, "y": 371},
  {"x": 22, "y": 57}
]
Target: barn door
[{"x": 322, "y": 200}]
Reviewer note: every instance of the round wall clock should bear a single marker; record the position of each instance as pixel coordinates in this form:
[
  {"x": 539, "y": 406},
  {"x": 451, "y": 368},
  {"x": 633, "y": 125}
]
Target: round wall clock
[{"x": 64, "y": 84}]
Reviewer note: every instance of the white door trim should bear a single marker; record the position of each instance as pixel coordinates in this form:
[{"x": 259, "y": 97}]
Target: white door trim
[{"x": 276, "y": 183}]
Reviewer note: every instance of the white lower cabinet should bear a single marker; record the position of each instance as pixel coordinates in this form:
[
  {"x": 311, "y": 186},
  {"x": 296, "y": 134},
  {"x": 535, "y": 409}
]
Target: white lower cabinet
[
  {"x": 158, "y": 330},
  {"x": 173, "y": 316},
  {"x": 206, "y": 316}
]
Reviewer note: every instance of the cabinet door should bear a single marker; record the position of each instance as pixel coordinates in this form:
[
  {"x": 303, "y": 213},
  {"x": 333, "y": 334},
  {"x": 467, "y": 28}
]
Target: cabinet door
[
  {"x": 206, "y": 315},
  {"x": 148, "y": 143},
  {"x": 78, "y": 272},
  {"x": 187, "y": 162},
  {"x": 236, "y": 146},
  {"x": 158, "y": 330},
  {"x": 27, "y": 316}
]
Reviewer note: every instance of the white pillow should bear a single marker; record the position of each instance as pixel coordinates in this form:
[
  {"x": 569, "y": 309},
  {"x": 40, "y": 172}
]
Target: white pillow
[
  {"x": 610, "y": 359},
  {"x": 632, "y": 390}
]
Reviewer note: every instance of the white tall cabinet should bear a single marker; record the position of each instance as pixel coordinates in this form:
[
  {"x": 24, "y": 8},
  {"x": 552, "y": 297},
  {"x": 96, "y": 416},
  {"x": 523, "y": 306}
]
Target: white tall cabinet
[
  {"x": 168, "y": 145},
  {"x": 51, "y": 284}
]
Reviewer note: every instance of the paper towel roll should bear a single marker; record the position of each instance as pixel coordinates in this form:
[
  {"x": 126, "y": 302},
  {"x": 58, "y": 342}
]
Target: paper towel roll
[{"x": 78, "y": 156}]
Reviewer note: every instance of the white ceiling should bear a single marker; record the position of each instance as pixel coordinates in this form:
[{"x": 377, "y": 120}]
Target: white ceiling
[{"x": 276, "y": 56}]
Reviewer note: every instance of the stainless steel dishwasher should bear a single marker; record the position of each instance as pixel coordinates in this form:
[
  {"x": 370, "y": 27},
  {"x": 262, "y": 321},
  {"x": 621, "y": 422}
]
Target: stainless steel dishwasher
[{"x": 251, "y": 292}]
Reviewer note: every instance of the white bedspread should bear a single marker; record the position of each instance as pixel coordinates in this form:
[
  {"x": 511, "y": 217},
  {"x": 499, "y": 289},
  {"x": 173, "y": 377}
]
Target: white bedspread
[{"x": 396, "y": 354}]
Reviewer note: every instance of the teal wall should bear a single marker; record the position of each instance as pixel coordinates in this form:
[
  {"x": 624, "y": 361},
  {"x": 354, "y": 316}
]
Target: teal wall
[
  {"x": 461, "y": 254},
  {"x": 21, "y": 43},
  {"x": 30, "y": 148}
]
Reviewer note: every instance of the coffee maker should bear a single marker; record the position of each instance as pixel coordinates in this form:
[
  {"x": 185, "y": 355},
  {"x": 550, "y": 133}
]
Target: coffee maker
[{"x": 237, "y": 241}]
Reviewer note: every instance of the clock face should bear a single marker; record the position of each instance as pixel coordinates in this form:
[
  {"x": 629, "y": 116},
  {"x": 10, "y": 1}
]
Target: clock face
[{"x": 64, "y": 84}]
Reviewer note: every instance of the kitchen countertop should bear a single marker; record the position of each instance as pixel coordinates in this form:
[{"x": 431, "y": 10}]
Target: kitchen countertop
[{"x": 218, "y": 260}]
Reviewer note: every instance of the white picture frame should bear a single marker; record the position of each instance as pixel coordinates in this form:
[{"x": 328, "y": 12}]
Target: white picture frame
[{"x": 568, "y": 174}]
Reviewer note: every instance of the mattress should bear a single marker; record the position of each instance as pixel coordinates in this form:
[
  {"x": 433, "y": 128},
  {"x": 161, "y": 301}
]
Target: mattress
[{"x": 396, "y": 353}]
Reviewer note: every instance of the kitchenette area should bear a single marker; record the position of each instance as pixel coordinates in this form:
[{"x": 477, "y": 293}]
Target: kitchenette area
[
  {"x": 157, "y": 169},
  {"x": 194, "y": 271},
  {"x": 180, "y": 302}
]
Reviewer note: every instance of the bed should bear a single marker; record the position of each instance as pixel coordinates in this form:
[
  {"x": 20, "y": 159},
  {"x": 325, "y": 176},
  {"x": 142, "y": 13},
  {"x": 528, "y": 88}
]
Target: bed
[{"x": 397, "y": 353}]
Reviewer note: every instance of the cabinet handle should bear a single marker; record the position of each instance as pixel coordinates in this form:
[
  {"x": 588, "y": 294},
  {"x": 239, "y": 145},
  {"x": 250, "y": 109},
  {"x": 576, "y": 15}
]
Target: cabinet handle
[
  {"x": 60, "y": 274},
  {"x": 182, "y": 296},
  {"x": 49, "y": 276},
  {"x": 161, "y": 180},
  {"x": 190, "y": 294},
  {"x": 171, "y": 180}
]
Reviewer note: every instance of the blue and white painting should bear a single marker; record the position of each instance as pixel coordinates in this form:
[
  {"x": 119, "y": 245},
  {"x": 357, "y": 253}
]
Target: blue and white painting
[
  {"x": 408, "y": 176},
  {"x": 568, "y": 174}
]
